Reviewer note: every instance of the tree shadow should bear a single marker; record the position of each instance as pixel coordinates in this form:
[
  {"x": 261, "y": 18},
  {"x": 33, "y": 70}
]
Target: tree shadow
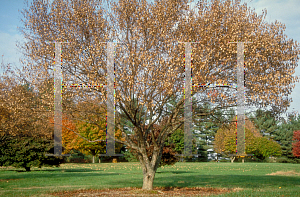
[
  {"x": 226, "y": 181},
  {"x": 173, "y": 172},
  {"x": 54, "y": 170},
  {"x": 58, "y": 173}
]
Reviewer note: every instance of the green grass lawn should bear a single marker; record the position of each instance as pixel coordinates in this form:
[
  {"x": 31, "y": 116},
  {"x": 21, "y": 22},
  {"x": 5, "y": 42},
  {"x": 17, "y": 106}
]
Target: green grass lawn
[{"x": 253, "y": 178}]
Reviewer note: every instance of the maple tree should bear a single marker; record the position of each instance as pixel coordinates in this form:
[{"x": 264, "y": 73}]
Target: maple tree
[
  {"x": 68, "y": 135},
  {"x": 78, "y": 133},
  {"x": 149, "y": 65},
  {"x": 225, "y": 139},
  {"x": 260, "y": 147},
  {"x": 90, "y": 121},
  {"x": 90, "y": 132},
  {"x": 168, "y": 153},
  {"x": 296, "y": 144}
]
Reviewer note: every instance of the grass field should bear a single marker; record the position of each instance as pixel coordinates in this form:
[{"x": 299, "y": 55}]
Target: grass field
[{"x": 254, "y": 179}]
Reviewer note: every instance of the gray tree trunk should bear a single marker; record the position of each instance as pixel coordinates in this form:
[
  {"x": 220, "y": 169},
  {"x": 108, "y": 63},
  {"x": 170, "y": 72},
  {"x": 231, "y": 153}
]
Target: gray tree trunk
[
  {"x": 148, "y": 179},
  {"x": 149, "y": 167},
  {"x": 93, "y": 159}
]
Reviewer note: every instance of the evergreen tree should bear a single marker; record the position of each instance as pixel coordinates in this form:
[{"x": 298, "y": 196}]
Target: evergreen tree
[
  {"x": 207, "y": 122},
  {"x": 284, "y": 135},
  {"x": 265, "y": 122},
  {"x": 27, "y": 152}
]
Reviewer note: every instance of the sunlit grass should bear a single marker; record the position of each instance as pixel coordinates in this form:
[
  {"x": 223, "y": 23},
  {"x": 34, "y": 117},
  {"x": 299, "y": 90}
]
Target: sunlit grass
[{"x": 265, "y": 179}]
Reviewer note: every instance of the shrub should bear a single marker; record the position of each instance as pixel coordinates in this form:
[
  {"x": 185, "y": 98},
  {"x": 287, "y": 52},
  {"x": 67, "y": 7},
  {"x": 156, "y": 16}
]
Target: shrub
[
  {"x": 77, "y": 157},
  {"x": 284, "y": 160},
  {"x": 129, "y": 156},
  {"x": 27, "y": 152},
  {"x": 224, "y": 160}
]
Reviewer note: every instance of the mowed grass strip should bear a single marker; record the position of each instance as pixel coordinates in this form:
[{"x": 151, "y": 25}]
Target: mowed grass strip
[{"x": 253, "y": 179}]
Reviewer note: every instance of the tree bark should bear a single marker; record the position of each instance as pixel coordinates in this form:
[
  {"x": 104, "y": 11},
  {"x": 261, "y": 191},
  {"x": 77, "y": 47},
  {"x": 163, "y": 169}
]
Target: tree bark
[
  {"x": 149, "y": 167},
  {"x": 243, "y": 160},
  {"x": 93, "y": 159},
  {"x": 148, "y": 179}
]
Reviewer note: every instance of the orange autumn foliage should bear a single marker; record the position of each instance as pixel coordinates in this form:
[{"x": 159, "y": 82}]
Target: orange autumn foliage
[{"x": 68, "y": 136}]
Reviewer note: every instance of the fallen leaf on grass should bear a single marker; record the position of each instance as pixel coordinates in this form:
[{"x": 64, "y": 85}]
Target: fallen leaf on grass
[
  {"x": 158, "y": 191},
  {"x": 51, "y": 187},
  {"x": 7, "y": 180},
  {"x": 285, "y": 173}
]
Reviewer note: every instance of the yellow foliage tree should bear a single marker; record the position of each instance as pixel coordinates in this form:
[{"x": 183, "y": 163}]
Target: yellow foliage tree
[
  {"x": 225, "y": 139},
  {"x": 91, "y": 127},
  {"x": 260, "y": 147}
]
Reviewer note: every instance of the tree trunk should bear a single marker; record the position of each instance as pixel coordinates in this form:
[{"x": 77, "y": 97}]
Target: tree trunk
[
  {"x": 99, "y": 160},
  {"x": 148, "y": 180},
  {"x": 243, "y": 160},
  {"x": 27, "y": 169},
  {"x": 232, "y": 159},
  {"x": 149, "y": 167},
  {"x": 93, "y": 159}
]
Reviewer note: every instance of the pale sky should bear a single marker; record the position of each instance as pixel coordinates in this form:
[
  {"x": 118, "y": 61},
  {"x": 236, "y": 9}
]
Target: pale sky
[{"x": 285, "y": 11}]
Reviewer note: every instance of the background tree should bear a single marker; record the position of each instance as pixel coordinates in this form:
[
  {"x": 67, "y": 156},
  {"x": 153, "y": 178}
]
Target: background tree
[
  {"x": 284, "y": 136},
  {"x": 21, "y": 116},
  {"x": 24, "y": 137},
  {"x": 150, "y": 32},
  {"x": 264, "y": 148},
  {"x": 261, "y": 147},
  {"x": 225, "y": 139},
  {"x": 177, "y": 138},
  {"x": 68, "y": 135},
  {"x": 265, "y": 122},
  {"x": 296, "y": 144},
  {"x": 26, "y": 152},
  {"x": 91, "y": 133},
  {"x": 85, "y": 129},
  {"x": 207, "y": 122}
]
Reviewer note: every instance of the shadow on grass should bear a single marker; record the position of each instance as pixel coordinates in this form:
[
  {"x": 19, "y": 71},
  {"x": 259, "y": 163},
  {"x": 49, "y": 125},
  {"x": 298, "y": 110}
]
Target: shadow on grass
[
  {"x": 226, "y": 181},
  {"x": 229, "y": 181},
  {"x": 58, "y": 173},
  {"x": 54, "y": 170},
  {"x": 173, "y": 172}
]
